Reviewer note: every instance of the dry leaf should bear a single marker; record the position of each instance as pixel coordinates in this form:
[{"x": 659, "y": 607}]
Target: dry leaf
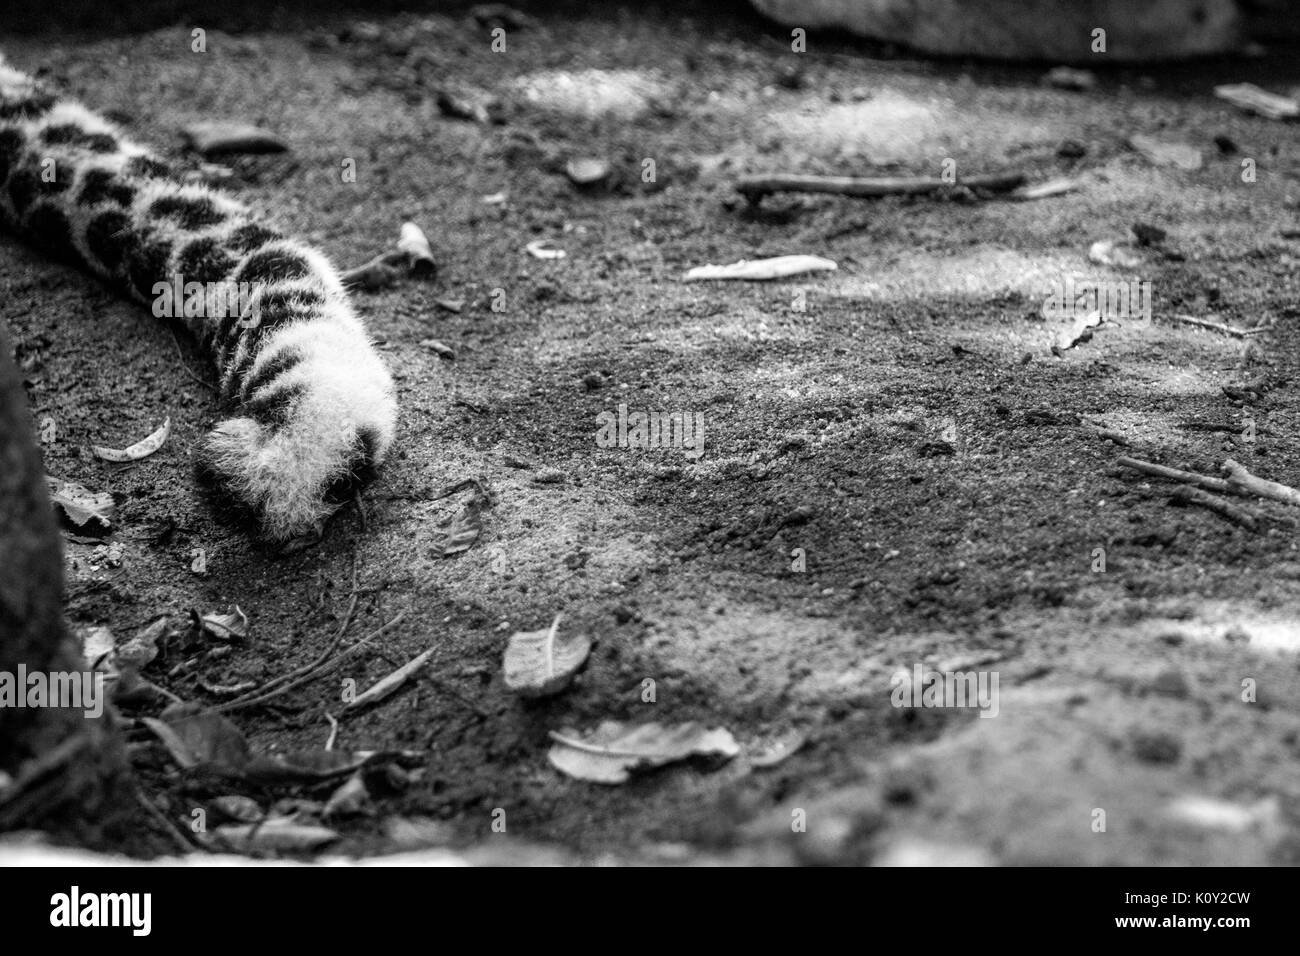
[
  {"x": 539, "y": 665},
  {"x": 141, "y": 449},
  {"x": 379, "y": 273},
  {"x": 769, "y": 753},
  {"x": 451, "y": 305},
  {"x": 390, "y": 683},
  {"x": 231, "y": 626},
  {"x": 349, "y": 800},
  {"x": 237, "y": 807},
  {"x": 461, "y": 530},
  {"x": 757, "y": 270},
  {"x": 416, "y": 246},
  {"x": 303, "y": 766},
  {"x": 613, "y": 750},
  {"x": 81, "y": 505},
  {"x": 541, "y": 249},
  {"x": 441, "y": 349},
  {"x": 1166, "y": 154},
  {"x": 1252, "y": 99},
  {"x": 210, "y": 738}
]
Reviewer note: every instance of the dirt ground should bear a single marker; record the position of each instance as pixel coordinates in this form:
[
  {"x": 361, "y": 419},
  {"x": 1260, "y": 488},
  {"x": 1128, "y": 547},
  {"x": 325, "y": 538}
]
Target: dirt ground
[{"x": 911, "y": 430}]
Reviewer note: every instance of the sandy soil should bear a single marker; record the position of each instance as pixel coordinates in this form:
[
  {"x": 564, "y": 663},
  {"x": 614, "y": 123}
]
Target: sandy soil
[{"x": 910, "y": 430}]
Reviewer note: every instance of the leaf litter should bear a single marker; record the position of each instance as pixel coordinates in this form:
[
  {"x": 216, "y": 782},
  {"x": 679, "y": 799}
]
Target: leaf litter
[
  {"x": 613, "y": 751},
  {"x": 141, "y": 449},
  {"x": 539, "y": 665}
]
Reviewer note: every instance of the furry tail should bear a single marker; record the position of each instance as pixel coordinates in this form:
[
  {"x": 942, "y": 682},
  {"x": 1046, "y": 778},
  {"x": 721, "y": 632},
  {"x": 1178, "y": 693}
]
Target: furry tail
[{"x": 312, "y": 403}]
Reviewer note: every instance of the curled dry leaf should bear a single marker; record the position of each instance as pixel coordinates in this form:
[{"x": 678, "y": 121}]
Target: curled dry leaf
[
  {"x": 214, "y": 139},
  {"x": 760, "y": 270},
  {"x": 141, "y": 449},
  {"x": 1079, "y": 331},
  {"x": 83, "y": 507},
  {"x": 537, "y": 664},
  {"x": 1118, "y": 255},
  {"x": 415, "y": 244},
  {"x": 231, "y": 626},
  {"x": 613, "y": 750},
  {"x": 390, "y": 683},
  {"x": 541, "y": 249}
]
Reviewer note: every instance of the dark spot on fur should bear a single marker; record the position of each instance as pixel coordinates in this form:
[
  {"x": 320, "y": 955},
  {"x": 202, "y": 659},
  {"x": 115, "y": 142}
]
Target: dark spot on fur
[
  {"x": 109, "y": 237},
  {"x": 23, "y": 185},
  {"x": 270, "y": 371},
  {"x": 273, "y": 407},
  {"x": 70, "y": 134},
  {"x": 100, "y": 185},
  {"x": 203, "y": 260},
  {"x": 30, "y": 107},
  {"x": 190, "y": 213},
  {"x": 11, "y": 147},
  {"x": 146, "y": 265},
  {"x": 51, "y": 232},
  {"x": 248, "y": 237},
  {"x": 146, "y": 167},
  {"x": 273, "y": 265}
]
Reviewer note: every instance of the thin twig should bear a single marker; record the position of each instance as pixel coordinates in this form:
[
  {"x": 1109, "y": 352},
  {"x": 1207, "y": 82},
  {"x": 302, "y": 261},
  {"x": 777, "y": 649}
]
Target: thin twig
[
  {"x": 1218, "y": 326},
  {"x": 1247, "y": 519},
  {"x": 316, "y": 671},
  {"x": 185, "y": 365},
  {"x": 1175, "y": 474},
  {"x": 756, "y": 187},
  {"x": 172, "y": 830},
  {"x": 1244, "y": 483}
]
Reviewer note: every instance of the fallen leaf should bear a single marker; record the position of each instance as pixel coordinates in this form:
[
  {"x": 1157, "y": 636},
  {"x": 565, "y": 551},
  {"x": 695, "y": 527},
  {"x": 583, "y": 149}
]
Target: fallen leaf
[
  {"x": 538, "y": 665},
  {"x": 97, "y": 645},
  {"x": 458, "y": 107},
  {"x": 282, "y": 835},
  {"x": 212, "y": 139},
  {"x": 757, "y": 270},
  {"x": 142, "y": 649},
  {"x": 1166, "y": 154},
  {"x": 1252, "y": 99},
  {"x": 541, "y": 249},
  {"x": 181, "y": 753},
  {"x": 141, "y": 449},
  {"x": 231, "y": 626},
  {"x": 79, "y": 504},
  {"x": 302, "y": 766},
  {"x": 459, "y": 532},
  {"x": 1211, "y": 814},
  {"x": 390, "y": 683},
  {"x": 1070, "y": 78},
  {"x": 451, "y": 305},
  {"x": 349, "y": 800},
  {"x": 613, "y": 750},
  {"x": 211, "y": 738},
  {"x": 416, "y": 246}
]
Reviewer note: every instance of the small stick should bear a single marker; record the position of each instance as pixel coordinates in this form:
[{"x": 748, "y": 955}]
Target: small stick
[
  {"x": 1244, "y": 483},
  {"x": 1174, "y": 474},
  {"x": 1227, "y": 509},
  {"x": 756, "y": 187},
  {"x": 1217, "y": 326},
  {"x": 185, "y": 365}
]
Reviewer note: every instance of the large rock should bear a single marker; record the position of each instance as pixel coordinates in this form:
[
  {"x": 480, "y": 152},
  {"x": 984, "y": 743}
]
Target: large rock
[{"x": 1136, "y": 30}]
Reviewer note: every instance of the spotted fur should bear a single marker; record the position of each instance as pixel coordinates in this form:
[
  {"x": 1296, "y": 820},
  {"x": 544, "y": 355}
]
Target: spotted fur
[{"x": 312, "y": 405}]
